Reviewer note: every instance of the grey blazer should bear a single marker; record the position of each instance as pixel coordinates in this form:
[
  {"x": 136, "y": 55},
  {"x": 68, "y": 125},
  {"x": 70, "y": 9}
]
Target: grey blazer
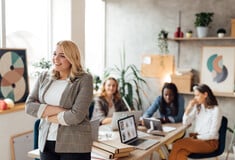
[{"x": 77, "y": 96}]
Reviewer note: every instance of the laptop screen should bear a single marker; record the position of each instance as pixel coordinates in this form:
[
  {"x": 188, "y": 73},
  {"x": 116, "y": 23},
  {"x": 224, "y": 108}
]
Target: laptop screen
[
  {"x": 118, "y": 115},
  {"x": 127, "y": 129}
]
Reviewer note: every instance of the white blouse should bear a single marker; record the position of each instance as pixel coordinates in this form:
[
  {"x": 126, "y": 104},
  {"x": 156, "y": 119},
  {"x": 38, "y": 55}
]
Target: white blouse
[{"x": 207, "y": 122}]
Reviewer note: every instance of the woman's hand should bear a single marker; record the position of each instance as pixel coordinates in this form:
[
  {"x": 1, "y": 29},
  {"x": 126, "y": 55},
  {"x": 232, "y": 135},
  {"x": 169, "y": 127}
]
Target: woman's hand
[
  {"x": 52, "y": 110},
  {"x": 193, "y": 102},
  {"x": 107, "y": 120},
  {"x": 193, "y": 135},
  {"x": 52, "y": 119},
  {"x": 165, "y": 120}
]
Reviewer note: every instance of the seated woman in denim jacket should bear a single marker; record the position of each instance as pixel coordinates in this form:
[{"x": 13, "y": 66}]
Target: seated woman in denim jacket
[{"x": 170, "y": 105}]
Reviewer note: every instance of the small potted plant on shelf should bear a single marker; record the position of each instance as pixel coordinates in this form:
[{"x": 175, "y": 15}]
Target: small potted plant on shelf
[
  {"x": 189, "y": 34},
  {"x": 162, "y": 41},
  {"x": 203, "y": 19},
  {"x": 221, "y": 32}
]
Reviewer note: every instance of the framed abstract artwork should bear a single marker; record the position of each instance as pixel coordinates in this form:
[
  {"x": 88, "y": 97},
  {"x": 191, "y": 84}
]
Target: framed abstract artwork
[
  {"x": 13, "y": 74},
  {"x": 218, "y": 68}
]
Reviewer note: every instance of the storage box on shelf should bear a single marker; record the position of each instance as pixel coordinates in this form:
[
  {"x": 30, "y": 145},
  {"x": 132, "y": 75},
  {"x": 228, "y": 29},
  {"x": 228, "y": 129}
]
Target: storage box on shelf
[
  {"x": 183, "y": 82},
  {"x": 232, "y": 27}
]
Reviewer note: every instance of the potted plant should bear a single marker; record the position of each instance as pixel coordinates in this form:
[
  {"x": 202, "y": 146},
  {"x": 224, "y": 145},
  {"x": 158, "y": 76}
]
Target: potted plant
[
  {"x": 189, "y": 34},
  {"x": 41, "y": 65},
  {"x": 203, "y": 19},
  {"x": 162, "y": 41},
  {"x": 221, "y": 32},
  {"x": 130, "y": 82},
  {"x": 96, "y": 81}
]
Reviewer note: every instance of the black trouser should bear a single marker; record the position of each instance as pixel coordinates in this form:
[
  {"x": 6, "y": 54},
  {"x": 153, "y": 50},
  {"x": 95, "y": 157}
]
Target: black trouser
[{"x": 50, "y": 154}]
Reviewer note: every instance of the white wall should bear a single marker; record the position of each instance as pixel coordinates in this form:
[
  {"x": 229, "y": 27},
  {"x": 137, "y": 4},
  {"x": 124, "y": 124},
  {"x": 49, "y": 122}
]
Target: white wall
[{"x": 136, "y": 24}]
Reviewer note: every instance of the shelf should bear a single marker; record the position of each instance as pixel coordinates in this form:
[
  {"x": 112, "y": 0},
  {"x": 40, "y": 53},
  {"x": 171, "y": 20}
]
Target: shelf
[
  {"x": 18, "y": 107},
  {"x": 217, "y": 94},
  {"x": 204, "y": 38}
]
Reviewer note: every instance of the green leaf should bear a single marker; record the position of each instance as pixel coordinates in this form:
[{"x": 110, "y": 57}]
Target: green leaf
[{"x": 130, "y": 82}]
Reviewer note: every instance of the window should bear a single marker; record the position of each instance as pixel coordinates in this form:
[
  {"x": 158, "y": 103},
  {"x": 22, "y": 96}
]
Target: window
[
  {"x": 94, "y": 31},
  {"x": 39, "y": 24},
  {"x": 28, "y": 24}
]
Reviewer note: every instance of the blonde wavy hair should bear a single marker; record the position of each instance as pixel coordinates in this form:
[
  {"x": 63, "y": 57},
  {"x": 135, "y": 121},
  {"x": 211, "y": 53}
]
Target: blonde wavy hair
[{"x": 72, "y": 53}]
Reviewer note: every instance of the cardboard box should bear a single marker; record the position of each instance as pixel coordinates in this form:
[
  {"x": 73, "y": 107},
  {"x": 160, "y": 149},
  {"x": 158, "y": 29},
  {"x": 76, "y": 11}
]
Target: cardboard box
[
  {"x": 183, "y": 82},
  {"x": 157, "y": 65},
  {"x": 233, "y": 27}
]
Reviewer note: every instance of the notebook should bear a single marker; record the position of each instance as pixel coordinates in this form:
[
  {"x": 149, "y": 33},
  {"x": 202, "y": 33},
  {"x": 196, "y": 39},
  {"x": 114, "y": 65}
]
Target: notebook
[
  {"x": 95, "y": 124},
  {"x": 128, "y": 134},
  {"x": 118, "y": 115}
]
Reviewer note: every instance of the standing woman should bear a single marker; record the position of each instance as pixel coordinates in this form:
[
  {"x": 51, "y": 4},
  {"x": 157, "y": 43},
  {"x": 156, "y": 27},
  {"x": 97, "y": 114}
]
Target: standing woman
[
  {"x": 108, "y": 101},
  {"x": 204, "y": 112},
  {"x": 61, "y": 100}
]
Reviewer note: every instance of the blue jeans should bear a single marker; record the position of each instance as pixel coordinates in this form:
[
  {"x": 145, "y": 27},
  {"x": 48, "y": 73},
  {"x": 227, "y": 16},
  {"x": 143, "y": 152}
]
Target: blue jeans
[{"x": 50, "y": 154}]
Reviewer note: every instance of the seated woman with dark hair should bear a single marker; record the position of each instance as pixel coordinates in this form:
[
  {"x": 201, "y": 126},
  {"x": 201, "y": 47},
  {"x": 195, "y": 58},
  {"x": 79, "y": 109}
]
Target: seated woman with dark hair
[{"x": 170, "y": 105}]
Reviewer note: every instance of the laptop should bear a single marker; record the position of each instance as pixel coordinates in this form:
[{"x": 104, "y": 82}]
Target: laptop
[
  {"x": 128, "y": 134},
  {"x": 95, "y": 124},
  {"x": 154, "y": 126},
  {"x": 118, "y": 115},
  {"x": 153, "y": 123}
]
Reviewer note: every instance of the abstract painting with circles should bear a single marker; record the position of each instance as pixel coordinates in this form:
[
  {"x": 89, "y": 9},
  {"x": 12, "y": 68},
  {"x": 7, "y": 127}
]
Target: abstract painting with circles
[
  {"x": 218, "y": 68},
  {"x": 13, "y": 74}
]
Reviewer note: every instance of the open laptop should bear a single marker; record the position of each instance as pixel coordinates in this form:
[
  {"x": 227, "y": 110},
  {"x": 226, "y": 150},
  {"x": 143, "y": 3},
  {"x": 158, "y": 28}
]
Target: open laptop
[
  {"x": 154, "y": 126},
  {"x": 118, "y": 115},
  {"x": 128, "y": 134},
  {"x": 153, "y": 123},
  {"x": 95, "y": 124}
]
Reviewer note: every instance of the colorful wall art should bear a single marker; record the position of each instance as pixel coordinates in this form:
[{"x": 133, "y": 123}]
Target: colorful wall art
[
  {"x": 13, "y": 74},
  {"x": 218, "y": 68}
]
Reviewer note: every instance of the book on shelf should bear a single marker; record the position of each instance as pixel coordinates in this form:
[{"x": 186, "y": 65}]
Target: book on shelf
[
  {"x": 113, "y": 147},
  {"x": 108, "y": 155}
]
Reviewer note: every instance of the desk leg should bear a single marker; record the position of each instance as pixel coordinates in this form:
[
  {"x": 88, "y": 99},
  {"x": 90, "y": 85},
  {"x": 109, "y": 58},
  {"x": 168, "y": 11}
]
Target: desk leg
[
  {"x": 155, "y": 156},
  {"x": 163, "y": 152}
]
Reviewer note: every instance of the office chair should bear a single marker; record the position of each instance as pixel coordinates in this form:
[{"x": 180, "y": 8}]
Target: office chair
[
  {"x": 35, "y": 135},
  {"x": 221, "y": 147},
  {"x": 91, "y": 109}
]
